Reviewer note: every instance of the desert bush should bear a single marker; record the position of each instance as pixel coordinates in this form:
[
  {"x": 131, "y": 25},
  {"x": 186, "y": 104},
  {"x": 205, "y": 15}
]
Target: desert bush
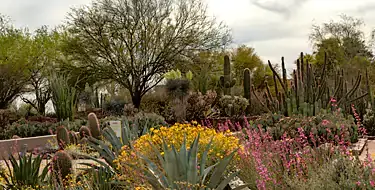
[
  {"x": 199, "y": 106},
  {"x": 222, "y": 145},
  {"x": 292, "y": 163},
  {"x": 157, "y": 102},
  {"x": 130, "y": 110},
  {"x": 369, "y": 121},
  {"x": 24, "y": 128},
  {"x": 7, "y": 117},
  {"x": 42, "y": 119},
  {"x": 232, "y": 106},
  {"x": 325, "y": 125},
  {"x": 115, "y": 107}
]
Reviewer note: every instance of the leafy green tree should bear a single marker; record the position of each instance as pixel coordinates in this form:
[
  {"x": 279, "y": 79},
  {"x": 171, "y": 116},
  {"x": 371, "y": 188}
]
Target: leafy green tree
[
  {"x": 207, "y": 67},
  {"x": 245, "y": 57},
  {"x": 14, "y": 62},
  {"x": 43, "y": 54},
  {"x": 343, "y": 41},
  {"x": 135, "y": 42}
]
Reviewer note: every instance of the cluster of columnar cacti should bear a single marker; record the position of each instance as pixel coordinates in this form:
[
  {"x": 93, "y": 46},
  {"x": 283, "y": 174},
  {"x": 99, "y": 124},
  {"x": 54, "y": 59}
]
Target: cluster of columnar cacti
[
  {"x": 65, "y": 137},
  {"x": 308, "y": 92},
  {"x": 226, "y": 81},
  {"x": 61, "y": 165}
]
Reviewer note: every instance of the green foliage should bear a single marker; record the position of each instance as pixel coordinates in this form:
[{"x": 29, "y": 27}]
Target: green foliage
[
  {"x": 173, "y": 74},
  {"x": 24, "y": 128},
  {"x": 155, "y": 52},
  {"x": 64, "y": 97},
  {"x": 61, "y": 166},
  {"x": 182, "y": 169},
  {"x": 145, "y": 121},
  {"x": 200, "y": 106},
  {"x": 62, "y": 136},
  {"x": 15, "y": 62},
  {"x": 24, "y": 172},
  {"x": 232, "y": 106},
  {"x": 324, "y": 125},
  {"x": 94, "y": 125},
  {"x": 245, "y": 57},
  {"x": 178, "y": 88}
]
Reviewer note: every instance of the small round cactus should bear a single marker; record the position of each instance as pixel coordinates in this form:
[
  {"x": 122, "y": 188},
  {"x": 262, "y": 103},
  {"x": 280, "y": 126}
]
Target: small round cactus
[
  {"x": 84, "y": 132},
  {"x": 61, "y": 165}
]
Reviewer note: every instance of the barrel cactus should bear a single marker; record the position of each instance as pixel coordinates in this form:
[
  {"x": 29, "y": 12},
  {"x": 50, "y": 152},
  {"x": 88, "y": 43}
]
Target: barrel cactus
[
  {"x": 94, "y": 125},
  {"x": 73, "y": 137},
  {"x": 62, "y": 136},
  {"x": 84, "y": 132},
  {"x": 61, "y": 165}
]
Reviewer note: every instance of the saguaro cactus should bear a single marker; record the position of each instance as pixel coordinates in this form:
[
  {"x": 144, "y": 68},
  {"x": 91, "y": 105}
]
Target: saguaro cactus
[{"x": 226, "y": 81}]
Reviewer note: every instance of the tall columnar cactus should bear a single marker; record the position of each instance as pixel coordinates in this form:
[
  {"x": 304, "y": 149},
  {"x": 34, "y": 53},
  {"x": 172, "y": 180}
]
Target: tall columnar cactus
[
  {"x": 61, "y": 165},
  {"x": 94, "y": 125},
  {"x": 247, "y": 88},
  {"x": 310, "y": 91},
  {"x": 226, "y": 81},
  {"x": 84, "y": 132},
  {"x": 62, "y": 136}
]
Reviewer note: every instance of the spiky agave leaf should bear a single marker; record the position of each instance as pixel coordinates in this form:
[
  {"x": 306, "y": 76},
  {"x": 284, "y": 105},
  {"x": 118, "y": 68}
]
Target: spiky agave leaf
[{"x": 182, "y": 166}]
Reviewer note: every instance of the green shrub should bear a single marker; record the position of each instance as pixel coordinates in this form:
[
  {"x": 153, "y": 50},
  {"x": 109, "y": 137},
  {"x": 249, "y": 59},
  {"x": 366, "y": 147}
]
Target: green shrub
[
  {"x": 24, "y": 128},
  {"x": 324, "y": 125},
  {"x": 232, "y": 106},
  {"x": 199, "y": 105}
]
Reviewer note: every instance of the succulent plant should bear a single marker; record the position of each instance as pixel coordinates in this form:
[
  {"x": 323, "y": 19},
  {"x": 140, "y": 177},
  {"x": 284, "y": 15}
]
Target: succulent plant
[
  {"x": 182, "y": 169},
  {"x": 226, "y": 81},
  {"x": 94, "y": 125},
  {"x": 73, "y": 137},
  {"x": 84, "y": 132},
  {"x": 24, "y": 171},
  {"x": 61, "y": 165},
  {"x": 62, "y": 136},
  {"x": 247, "y": 88}
]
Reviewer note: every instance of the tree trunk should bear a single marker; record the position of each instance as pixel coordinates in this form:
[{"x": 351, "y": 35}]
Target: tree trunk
[{"x": 136, "y": 98}]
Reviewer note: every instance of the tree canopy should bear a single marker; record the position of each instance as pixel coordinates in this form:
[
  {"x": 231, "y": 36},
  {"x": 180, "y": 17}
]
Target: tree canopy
[{"x": 135, "y": 42}]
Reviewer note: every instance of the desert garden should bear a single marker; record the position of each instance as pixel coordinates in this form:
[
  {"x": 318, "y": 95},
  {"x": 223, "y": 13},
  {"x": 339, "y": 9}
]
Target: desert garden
[{"x": 148, "y": 95}]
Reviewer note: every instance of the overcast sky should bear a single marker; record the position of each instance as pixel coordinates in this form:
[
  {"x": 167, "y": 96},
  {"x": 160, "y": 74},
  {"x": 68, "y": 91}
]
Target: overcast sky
[{"x": 274, "y": 28}]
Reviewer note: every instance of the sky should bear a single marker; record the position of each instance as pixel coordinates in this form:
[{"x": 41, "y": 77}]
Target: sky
[{"x": 274, "y": 28}]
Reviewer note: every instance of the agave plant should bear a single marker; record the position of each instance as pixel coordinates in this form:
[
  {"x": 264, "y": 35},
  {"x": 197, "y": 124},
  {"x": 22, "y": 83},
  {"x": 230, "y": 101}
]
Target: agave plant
[
  {"x": 111, "y": 147},
  {"x": 180, "y": 169},
  {"x": 23, "y": 172}
]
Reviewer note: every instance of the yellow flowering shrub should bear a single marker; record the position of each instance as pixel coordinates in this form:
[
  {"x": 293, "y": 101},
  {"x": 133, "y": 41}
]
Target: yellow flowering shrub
[{"x": 222, "y": 145}]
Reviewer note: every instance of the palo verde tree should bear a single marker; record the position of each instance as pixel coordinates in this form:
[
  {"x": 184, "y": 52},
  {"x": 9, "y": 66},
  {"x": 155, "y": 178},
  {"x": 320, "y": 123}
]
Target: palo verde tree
[
  {"x": 134, "y": 42},
  {"x": 43, "y": 54},
  {"x": 14, "y": 62}
]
